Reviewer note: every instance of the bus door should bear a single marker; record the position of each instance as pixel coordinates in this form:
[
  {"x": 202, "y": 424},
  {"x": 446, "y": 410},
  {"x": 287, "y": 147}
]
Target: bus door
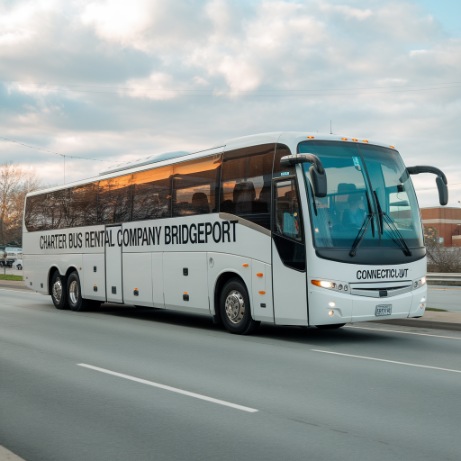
[
  {"x": 288, "y": 255},
  {"x": 113, "y": 252}
]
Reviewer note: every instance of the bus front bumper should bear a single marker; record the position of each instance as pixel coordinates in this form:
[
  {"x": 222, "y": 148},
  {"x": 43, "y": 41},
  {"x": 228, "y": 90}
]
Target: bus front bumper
[{"x": 327, "y": 307}]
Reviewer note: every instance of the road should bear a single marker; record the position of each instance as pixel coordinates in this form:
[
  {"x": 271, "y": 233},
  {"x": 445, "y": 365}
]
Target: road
[
  {"x": 444, "y": 297},
  {"x": 134, "y": 384}
]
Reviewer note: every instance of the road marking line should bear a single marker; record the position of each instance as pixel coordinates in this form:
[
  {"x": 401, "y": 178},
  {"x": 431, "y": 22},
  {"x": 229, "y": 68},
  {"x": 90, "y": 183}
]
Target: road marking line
[
  {"x": 7, "y": 455},
  {"x": 403, "y": 332},
  {"x": 363, "y": 357},
  {"x": 169, "y": 388}
]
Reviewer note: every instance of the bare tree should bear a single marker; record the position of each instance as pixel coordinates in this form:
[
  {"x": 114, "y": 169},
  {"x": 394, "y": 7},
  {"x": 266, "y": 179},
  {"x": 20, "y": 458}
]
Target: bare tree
[
  {"x": 440, "y": 258},
  {"x": 15, "y": 183}
]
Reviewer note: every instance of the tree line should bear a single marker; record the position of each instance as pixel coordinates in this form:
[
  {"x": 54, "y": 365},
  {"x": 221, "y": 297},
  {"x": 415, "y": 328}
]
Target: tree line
[{"x": 15, "y": 183}]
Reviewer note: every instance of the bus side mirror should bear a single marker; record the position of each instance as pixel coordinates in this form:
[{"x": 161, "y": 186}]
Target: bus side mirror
[
  {"x": 316, "y": 171},
  {"x": 319, "y": 182},
  {"x": 440, "y": 180},
  {"x": 443, "y": 190}
]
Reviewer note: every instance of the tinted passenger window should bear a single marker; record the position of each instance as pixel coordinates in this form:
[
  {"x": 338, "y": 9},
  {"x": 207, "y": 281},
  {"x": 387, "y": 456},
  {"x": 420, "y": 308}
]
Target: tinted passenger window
[
  {"x": 115, "y": 200},
  {"x": 194, "y": 186},
  {"x": 246, "y": 183},
  {"x": 83, "y": 205},
  {"x": 152, "y": 194}
]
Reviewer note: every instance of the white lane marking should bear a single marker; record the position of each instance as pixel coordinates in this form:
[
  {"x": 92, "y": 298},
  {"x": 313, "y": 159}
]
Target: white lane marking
[
  {"x": 375, "y": 359},
  {"x": 403, "y": 332},
  {"x": 7, "y": 455},
  {"x": 170, "y": 388}
]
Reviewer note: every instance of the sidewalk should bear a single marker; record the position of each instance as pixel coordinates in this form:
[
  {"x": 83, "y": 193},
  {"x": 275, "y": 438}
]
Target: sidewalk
[
  {"x": 431, "y": 319},
  {"x": 12, "y": 284}
]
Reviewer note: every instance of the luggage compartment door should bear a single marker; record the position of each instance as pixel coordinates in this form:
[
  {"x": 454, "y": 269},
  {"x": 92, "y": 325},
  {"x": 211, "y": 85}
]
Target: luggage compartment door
[{"x": 114, "y": 290}]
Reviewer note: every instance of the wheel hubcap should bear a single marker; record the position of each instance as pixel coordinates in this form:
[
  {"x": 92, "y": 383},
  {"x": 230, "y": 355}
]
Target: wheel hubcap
[
  {"x": 73, "y": 292},
  {"x": 235, "y": 306},
  {"x": 57, "y": 290}
]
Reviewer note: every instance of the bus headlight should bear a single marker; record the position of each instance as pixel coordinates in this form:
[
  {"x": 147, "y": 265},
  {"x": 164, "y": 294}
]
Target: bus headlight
[
  {"x": 419, "y": 283},
  {"x": 331, "y": 285}
]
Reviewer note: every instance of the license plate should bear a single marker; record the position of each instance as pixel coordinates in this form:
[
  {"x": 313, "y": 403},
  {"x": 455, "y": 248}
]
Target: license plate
[{"x": 383, "y": 309}]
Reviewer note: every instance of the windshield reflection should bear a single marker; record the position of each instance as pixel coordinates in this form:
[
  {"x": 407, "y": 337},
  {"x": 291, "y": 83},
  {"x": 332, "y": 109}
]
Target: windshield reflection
[{"x": 370, "y": 202}]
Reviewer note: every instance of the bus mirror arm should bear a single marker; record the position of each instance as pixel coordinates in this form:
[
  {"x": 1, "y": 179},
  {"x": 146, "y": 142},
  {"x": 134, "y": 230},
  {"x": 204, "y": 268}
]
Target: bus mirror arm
[
  {"x": 316, "y": 171},
  {"x": 441, "y": 180}
]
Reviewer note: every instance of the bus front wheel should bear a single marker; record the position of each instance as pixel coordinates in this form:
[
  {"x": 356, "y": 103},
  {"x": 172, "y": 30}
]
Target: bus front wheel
[
  {"x": 235, "y": 308},
  {"x": 59, "y": 291}
]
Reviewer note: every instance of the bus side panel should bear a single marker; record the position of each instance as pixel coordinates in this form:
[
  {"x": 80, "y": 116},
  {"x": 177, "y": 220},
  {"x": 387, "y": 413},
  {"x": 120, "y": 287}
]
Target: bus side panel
[
  {"x": 114, "y": 279},
  {"x": 93, "y": 277},
  {"x": 245, "y": 268},
  {"x": 185, "y": 281},
  {"x": 37, "y": 270},
  {"x": 35, "y": 277},
  {"x": 137, "y": 279},
  {"x": 157, "y": 280},
  {"x": 263, "y": 308}
]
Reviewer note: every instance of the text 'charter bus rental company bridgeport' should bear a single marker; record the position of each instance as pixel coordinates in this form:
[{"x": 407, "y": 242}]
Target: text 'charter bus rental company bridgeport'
[{"x": 284, "y": 228}]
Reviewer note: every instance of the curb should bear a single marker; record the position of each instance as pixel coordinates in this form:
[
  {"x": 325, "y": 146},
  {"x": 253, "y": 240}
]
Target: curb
[{"x": 422, "y": 323}]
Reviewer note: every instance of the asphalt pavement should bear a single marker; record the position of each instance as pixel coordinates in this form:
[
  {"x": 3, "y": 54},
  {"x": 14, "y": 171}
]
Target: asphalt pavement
[{"x": 431, "y": 320}]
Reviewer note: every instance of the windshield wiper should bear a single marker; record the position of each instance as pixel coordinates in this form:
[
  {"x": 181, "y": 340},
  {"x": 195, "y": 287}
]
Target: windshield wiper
[
  {"x": 396, "y": 236},
  {"x": 361, "y": 234}
]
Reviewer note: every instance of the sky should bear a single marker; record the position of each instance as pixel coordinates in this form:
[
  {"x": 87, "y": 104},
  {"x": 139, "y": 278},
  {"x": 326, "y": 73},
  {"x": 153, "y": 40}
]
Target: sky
[{"x": 87, "y": 85}]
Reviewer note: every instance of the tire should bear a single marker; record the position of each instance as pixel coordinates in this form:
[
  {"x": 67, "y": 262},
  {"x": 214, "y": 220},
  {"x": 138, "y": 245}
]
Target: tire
[
  {"x": 74, "y": 294},
  {"x": 234, "y": 305},
  {"x": 19, "y": 267},
  {"x": 59, "y": 291},
  {"x": 333, "y": 326}
]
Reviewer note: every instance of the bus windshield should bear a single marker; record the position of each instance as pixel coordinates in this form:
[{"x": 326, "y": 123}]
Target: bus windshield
[{"x": 370, "y": 205}]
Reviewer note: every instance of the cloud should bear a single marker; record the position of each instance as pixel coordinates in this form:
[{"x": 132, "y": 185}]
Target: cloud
[
  {"x": 158, "y": 85},
  {"x": 116, "y": 80},
  {"x": 16, "y": 24},
  {"x": 147, "y": 25},
  {"x": 119, "y": 21}
]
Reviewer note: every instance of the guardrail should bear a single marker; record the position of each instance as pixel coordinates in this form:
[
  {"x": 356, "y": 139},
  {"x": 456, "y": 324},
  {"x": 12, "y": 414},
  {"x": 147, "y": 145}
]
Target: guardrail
[{"x": 439, "y": 278}]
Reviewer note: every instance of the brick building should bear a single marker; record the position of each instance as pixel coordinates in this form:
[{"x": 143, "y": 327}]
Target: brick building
[{"x": 443, "y": 223}]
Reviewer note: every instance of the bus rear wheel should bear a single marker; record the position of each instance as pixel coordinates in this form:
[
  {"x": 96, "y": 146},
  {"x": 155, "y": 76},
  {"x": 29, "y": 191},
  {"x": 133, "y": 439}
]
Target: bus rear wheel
[
  {"x": 235, "y": 308},
  {"x": 74, "y": 294},
  {"x": 59, "y": 291}
]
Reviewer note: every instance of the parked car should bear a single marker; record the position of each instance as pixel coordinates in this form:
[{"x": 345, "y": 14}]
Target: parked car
[
  {"x": 8, "y": 255},
  {"x": 18, "y": 264}
]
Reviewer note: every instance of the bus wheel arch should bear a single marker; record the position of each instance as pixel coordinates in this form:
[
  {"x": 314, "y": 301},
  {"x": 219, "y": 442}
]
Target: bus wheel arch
[
  {"x": 232, "y": 305},
  {"x": 58, "y": 289}
]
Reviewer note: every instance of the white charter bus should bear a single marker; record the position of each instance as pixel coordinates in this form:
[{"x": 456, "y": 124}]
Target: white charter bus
[{"x": 285, "y": 228}]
